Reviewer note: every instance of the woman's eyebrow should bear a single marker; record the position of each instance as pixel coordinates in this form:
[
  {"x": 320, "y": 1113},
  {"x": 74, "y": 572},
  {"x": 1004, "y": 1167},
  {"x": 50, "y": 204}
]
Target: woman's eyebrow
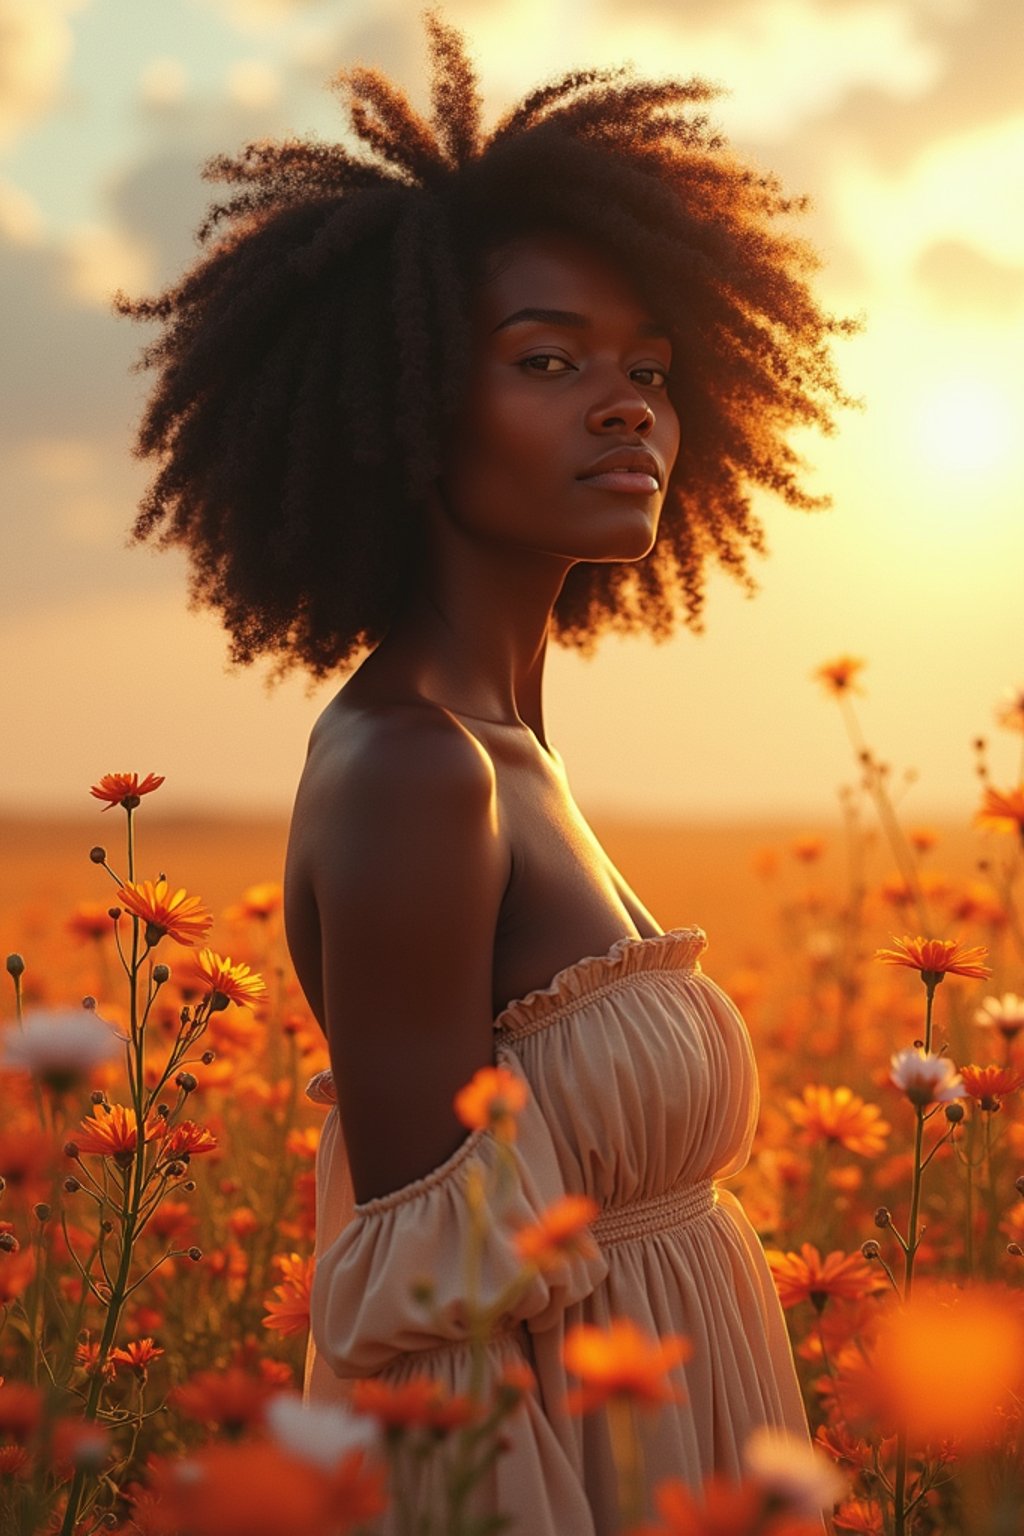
[{"x": 569, "y": 317}]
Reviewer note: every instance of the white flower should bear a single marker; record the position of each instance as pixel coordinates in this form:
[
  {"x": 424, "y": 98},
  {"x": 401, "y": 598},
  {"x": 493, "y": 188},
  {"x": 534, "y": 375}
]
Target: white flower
[
  {"x": 59, "y": 1046},
  {"x": 926, "y": 1078},
  {"x": 1006, "y": 1013},
  {"x": 792, "y": 1471},
  {"x": 318, "y": 1433}
]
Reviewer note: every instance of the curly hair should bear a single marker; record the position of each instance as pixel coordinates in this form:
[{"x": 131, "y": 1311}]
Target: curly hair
[{"x": 310, "y": 363}]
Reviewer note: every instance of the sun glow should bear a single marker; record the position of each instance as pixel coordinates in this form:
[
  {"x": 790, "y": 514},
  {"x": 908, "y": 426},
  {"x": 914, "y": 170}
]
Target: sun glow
[{"x": 964, "y": 425}]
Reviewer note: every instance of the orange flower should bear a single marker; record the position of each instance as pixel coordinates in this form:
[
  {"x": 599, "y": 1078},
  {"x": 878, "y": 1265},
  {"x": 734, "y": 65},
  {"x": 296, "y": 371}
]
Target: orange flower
[
  {"x": 112, "y": 1131},
  {"x": 183, "y": 917},
  {"x": 238, "y": 983},
  {"x": 1010, "y": 710},
  {"x": 808, "y": 849},
  {"x": 137, "y": 1356},
  {"x": 859, "y": 1515},
  {"x": 89, "y": 921},
  {"x": 420, "y": 1402},
  {"x": 990, "y": 1084},
  {"x": 721, "y": 1508},
  {"x": 622, "y": 1362},
  {"x": 935, "y": 958},
  {"x": 188, "y": 1138},
  {"x": 290, "y": 1312},
  {"x": 839, "y": 1117},
  {"x": 125, "y": 789},
  {"x": 560, "y": 1232},
  {"x": 838, "y": 676},
  {"x": 15, "y": 1463},
  {"x": 231, "y": 1399},
  {"x": 491, "y": 1100},
  {"x": 261, "y": 901},
  {"x": 805, "y": 1276},
  {"x": 1002, "y": 812}
]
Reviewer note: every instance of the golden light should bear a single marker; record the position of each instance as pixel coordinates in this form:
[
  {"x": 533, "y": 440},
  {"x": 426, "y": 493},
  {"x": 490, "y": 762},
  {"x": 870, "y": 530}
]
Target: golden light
[{"x": 964, "y": 425}]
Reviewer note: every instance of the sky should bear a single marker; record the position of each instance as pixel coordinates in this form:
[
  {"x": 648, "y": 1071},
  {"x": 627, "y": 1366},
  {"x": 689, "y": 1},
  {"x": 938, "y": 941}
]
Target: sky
[{"x": 904, "y": 122}]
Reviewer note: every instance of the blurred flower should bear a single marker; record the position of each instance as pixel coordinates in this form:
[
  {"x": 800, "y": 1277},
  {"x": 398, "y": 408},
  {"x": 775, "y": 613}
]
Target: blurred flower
[
  {"x": 188, "y": 1138},
  {"x": 922, "y": 839},
  {"x": 89, "y": 921},
  {"x": 624, "y": 1362},
  {"x": 17, "y": 1272},
  {"x": 261, "y": 901},
  {"x": 491, "y": 1100},
  {"x": 990, "y": 1084},
  {"x": 806, "y": 1276},
  {"x": 231, "y": 1400},
  {"x": 59, "y": 1047},
  {"x": 317, "y": 1432},
  {"x": 137, "y": 1356},
  {"x": 979, "y": 904},
  {"x": 924, "y": 1077},
  {"x": 792, "y": 1472},
  {"x": 21, "y": 1410},
  {"x": 125, "y": 788},
  {"x": 238, "y": 982},
  {"x": 935, "y": 958},
  {"x": 860, "y": 1515},
  {"x": 951, "y": 1362},
  {"x": 561, "y": 1231},
  {"x": 77, "y": 1443},
  {"x": 15, "y": 1464},
  {"x": 419, "y": 1402},
  {"x": 183, "y": 917},
  {"x": 1006, "y": 1013},
  {"x": 808, "y": 849},
  {"x": 1003, "y": 812},
  {"x": 1010, "y": 710},
  {"x": 838, "y": 1116},
  {"x": 722, "y": 1507},
  {"x": 289, "y": 1312},
  {"x": 838, "y": 676},
  {"x": 112, "y": 1131}
]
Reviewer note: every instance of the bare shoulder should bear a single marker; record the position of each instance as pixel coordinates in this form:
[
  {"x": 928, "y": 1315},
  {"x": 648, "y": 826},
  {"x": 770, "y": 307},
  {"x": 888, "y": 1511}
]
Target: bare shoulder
[{"x": 397, "y": 867}]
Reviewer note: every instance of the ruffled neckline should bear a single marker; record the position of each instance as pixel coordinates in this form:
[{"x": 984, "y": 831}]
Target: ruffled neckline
[{"x": 677, "y": 949}]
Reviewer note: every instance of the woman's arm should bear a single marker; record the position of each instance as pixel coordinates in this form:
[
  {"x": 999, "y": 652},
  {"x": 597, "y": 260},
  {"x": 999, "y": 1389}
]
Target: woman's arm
[{"x": 408, "y": 866}]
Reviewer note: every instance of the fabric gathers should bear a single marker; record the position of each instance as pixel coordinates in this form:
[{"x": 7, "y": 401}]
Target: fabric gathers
[{"x": 643, "y": 1096}]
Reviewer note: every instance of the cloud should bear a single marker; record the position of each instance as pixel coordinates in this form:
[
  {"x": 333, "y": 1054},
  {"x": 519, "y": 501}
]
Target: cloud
[
  {"x": 163, "y": 83},
  {"x": 958, "y": 279},
  {"x": 21, "y": 219},
  {"x": 36, "y": 44},
  {"x": 253, "y": 84}
]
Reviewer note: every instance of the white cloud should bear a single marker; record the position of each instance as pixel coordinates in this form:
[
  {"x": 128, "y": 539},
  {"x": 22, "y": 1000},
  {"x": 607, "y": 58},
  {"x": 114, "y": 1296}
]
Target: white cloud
[
  {"x": 102, "y": 259},
  {"x": 254, "y": 84},
  {"x": 35, "y": 47},
  {"x": 21, "y": 220},
  {"x": 163, "y": 82}
]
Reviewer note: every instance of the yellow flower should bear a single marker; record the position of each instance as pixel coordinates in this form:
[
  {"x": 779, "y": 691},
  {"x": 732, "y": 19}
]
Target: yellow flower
[
  {"x": 840, "y": 1117},
  {"x": 838, "y": 676},
  {"x": 183, "y": 917},
  {"x": 935, "y": 958},
  {"x": 238, "y": 982}
]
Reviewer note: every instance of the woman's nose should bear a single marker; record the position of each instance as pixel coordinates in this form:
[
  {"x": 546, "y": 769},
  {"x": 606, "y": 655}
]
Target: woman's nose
[{"x": 627, "y": 412}]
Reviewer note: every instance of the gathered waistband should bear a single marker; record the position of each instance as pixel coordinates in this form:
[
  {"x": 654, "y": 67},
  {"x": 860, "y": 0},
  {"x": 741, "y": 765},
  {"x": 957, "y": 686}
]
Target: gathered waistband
[{"x": 657, "y": 1213}]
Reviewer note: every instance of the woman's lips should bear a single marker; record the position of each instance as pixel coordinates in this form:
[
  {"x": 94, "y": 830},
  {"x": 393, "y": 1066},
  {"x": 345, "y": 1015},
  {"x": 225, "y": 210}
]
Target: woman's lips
[{"x": 633, "y": 481}]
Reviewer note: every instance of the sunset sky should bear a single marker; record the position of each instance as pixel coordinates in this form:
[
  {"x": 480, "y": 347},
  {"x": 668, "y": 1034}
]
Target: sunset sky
[{"x": 904, "y": 121}]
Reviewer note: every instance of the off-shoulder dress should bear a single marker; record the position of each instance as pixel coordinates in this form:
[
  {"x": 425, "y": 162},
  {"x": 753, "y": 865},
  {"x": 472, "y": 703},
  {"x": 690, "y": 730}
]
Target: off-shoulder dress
[{"x": 643, "y": 1095}]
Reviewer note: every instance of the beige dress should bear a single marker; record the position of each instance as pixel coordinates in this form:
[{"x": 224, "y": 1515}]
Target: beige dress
[{"x": 643, "y": 1095}]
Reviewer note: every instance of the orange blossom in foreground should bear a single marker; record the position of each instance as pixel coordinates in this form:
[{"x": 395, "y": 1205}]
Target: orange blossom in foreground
[
  {"x": 840, "y": 1117},
  {"x": 112, "y": 1131},
  {"x": 806, "y": 1276},
  {"x": 839, "y": 676},
  {"x": 288, "y": 1304},
  {"x": 624, "y": 1362},
  {"x": 125, "y": 788},
  {"x": 183, "y": 917},
  {"x": 936, "y": 958},
  {"x": 1003, "y": 811},
  {"x": 491, "y": 1100},
  {"x": 561, "y": 1231},
  {"x": 238, "y": 983},
  {"x": 990, "y": 1084}
]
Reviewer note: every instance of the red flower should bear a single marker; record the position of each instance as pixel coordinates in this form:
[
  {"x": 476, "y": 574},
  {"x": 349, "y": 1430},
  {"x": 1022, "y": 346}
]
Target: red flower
[{"x": 125, "y": 789}]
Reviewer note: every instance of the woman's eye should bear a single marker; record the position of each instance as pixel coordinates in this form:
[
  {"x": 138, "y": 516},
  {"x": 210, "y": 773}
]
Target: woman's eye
[
  {"x": 539, "y": 361},
  {"x": 658, "y": 376}
]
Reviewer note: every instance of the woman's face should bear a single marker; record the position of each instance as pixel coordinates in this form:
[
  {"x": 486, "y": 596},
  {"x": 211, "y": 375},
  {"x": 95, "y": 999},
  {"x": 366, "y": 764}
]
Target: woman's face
[{"x": 567, "y": 437}]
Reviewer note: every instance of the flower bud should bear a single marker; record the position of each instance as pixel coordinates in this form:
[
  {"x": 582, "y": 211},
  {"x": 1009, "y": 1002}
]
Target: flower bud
[
  {"x": 1018, "y": 1185},
  {"x": 72, "y": 1185},
  {"x": 88, "y": 1002},
  {"x": 15, "y": 965},
  {"x": 98, "y": 1096},
  {"x": 98, "y": 855},
  {"x": 870, "y": 1249},
  {"x": 41, "y": 1211},
  {"x": 163, "y": 1110},
  {"x": 107, "y": 1225},
  {"x": 161, "y": 973},
  {"x": 71, "y": 1149},
  {"x": 883, "y": 1217},
  {"x": 218, "y": 1002},
  {"x": 175, "y": 1170},
  {"x": 8, "y": 1243},
  {"x": 954, "y": 1113},
  {"x": 189, "y": 1186},
  {"x": 1015, "y": 1250},
  {"x": 3, "y": 1183},
  {"x": 208, "y": 1056},
  {"x": 114, "y": 912},
  {"x": 195, "y": 1254},
  {"x": 186, "y": 1082}
]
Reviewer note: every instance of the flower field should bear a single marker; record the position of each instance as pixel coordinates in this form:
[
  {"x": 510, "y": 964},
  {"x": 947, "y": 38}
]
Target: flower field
[{"x": 157, "y": 1201}]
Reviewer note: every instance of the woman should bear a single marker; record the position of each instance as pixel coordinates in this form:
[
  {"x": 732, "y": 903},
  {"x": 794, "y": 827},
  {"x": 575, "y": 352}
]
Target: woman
[{"x": 437, "y": 403}]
